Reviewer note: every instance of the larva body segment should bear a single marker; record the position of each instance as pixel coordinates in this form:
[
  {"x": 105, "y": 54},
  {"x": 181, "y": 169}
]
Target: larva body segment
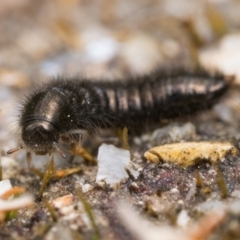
[{"x": 64, "y": 106}]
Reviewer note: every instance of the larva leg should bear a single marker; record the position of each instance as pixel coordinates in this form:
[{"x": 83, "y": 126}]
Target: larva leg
[
  {"x": 123, "y": 137},
  {"x": 75, "y": 143},
  {"x": 32, "y": 169}
]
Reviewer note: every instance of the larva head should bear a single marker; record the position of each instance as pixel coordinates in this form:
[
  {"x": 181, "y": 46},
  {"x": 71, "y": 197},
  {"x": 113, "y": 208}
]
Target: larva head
[
  {"x": 40, "y": 136},
  {"x": 44, "y": 117}
]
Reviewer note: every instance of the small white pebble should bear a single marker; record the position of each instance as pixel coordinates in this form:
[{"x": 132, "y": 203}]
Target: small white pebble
[
  {"x": 174, "y": 190},
  {"x": 86, "y": 188},
  {"x": 183, "y": 219},
  {"x": 112, "y": 163}
]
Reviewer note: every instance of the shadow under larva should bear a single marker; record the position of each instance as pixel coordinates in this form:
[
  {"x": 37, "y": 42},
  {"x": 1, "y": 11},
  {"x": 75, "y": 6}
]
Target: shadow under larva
[{"x": 59, "y": 110}]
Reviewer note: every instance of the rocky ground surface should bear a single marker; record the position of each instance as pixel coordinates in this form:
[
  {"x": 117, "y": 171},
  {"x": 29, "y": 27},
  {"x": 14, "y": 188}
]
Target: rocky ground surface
[{"x": 112, "y": 39}]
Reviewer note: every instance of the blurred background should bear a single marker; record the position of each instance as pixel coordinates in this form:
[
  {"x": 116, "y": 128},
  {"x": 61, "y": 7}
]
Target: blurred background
[{"x": 109, "y": 39}]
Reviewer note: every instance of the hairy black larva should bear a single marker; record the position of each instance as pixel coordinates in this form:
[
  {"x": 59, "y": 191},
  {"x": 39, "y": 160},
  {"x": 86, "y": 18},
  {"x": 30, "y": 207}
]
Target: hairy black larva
[{"x": 58, "y": 110}]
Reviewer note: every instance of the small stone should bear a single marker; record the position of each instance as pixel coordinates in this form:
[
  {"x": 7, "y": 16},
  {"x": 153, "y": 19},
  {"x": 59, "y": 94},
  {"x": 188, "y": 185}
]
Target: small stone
[
  {"x": 86, "y": 188},
  {"x": 112, "y": 163},
  {"x": 188, "y": 153},
  {"x": 174, "y": 133},
  {"x": 183, "y": 219}
]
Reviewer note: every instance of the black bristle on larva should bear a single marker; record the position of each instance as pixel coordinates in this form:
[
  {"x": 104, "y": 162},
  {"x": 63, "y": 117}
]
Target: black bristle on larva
[{"x": 63, "y": 107}]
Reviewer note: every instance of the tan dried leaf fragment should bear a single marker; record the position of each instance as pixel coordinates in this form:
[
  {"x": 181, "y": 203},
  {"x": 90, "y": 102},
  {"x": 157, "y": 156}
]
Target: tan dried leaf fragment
[
  {"x": 188, "y": 153},
  {"x": 63, "y": 201}
]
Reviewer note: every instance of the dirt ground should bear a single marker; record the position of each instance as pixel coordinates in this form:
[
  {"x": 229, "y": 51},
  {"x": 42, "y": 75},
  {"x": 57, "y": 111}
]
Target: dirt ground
[{"x": 111, "y": 40}]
